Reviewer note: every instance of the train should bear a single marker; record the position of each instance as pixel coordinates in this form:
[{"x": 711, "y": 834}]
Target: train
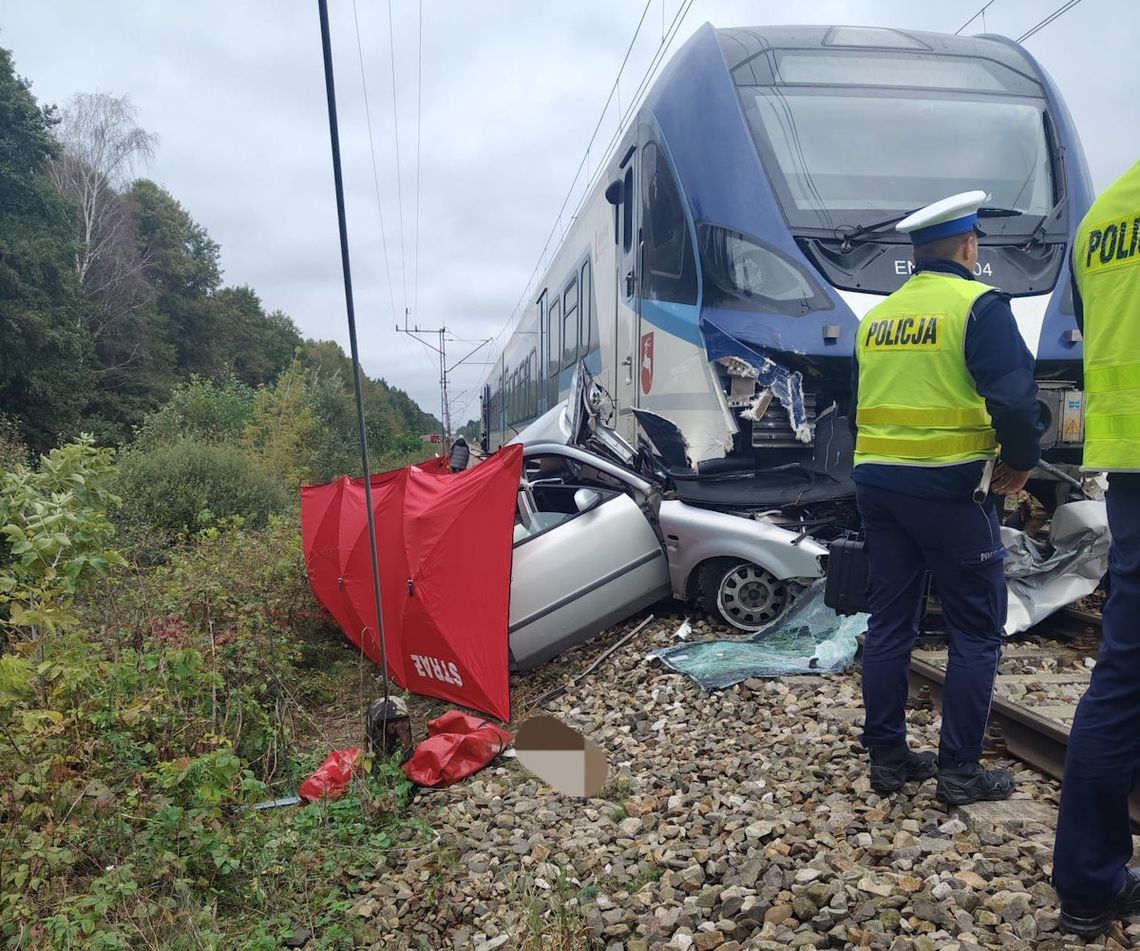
[{"x": 716, "y": 272}]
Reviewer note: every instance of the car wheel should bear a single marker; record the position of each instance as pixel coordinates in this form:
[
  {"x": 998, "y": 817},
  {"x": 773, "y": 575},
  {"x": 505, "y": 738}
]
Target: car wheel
[{"x": 742, "y": 594}]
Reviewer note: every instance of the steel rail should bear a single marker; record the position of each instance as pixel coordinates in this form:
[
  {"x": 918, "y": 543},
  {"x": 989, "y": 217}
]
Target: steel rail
[{"x": 1036, "y": 740}]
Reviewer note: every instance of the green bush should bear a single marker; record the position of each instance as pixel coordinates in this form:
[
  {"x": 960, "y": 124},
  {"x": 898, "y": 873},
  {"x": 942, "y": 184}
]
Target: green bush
[
  {"x": 135, "y": 741},
  {"x": 201, "y": 409},
  {"x": 189, "y": 485}
]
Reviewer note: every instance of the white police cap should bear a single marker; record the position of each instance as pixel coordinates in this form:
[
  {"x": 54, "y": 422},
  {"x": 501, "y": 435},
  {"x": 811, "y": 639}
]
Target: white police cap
[{"x": 944, "y": 218}]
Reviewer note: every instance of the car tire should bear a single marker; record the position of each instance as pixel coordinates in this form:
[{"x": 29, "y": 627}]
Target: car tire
[{"x": 741, "y": 594}]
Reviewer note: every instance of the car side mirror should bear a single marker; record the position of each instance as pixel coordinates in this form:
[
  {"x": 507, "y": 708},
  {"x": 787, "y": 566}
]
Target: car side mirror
[{"x": 586, "y": 499}]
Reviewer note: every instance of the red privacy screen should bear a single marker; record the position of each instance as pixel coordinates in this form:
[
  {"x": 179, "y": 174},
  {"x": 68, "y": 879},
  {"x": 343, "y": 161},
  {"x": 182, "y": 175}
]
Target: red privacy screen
[{"x": 444, "y": 542}]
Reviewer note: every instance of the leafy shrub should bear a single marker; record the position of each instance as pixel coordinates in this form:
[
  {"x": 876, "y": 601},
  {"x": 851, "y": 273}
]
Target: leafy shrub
[
  {"x": 202, "y": 410},
  {"x": 187, "y": 485},
  {"x": 54, "y": 520},
  {"x": 135, "y": 741}
]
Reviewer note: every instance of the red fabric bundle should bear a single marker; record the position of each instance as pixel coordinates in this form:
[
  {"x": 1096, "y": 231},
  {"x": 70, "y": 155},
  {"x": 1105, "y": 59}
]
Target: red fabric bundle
[
  {"x": 332, "y": 777},
  {"x": 457, "y": 746}
]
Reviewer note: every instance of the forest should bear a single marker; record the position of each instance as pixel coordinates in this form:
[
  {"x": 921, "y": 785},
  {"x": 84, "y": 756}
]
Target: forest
[{"x": 163, "y": 665}]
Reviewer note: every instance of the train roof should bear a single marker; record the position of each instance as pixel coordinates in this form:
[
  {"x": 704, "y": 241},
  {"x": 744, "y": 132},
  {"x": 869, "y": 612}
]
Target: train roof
[{"x": 740, "y": 44}]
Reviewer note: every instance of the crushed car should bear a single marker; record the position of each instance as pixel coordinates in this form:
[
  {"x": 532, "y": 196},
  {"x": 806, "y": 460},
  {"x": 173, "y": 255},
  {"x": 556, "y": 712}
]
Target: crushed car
[{"x": 603, "y": 529}]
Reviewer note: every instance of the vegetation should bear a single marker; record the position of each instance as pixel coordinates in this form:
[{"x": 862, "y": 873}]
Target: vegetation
[
  {"x": 111, "y": 294},
  {"x": 161, "y": 654}
]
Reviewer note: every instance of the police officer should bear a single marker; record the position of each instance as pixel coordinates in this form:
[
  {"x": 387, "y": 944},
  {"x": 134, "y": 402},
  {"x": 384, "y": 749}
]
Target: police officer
[
  {"x": 1094, "y": 841},
  {"x": 942, "y": 379}
]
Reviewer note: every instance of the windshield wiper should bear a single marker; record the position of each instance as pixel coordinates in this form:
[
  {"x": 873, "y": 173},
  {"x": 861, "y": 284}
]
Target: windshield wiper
[
  {"x": 1039, "y": 231},
  {"x": 986, "y": 211},
  {"x": 860, "y": 230}
]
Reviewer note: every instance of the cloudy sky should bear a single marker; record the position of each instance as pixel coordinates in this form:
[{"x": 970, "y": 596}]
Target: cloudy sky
[{"x": 511, "y": 92}]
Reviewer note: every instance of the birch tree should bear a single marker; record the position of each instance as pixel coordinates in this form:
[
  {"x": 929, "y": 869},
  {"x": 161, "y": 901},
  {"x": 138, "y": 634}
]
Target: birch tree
[{"x": 102, "y": 148}]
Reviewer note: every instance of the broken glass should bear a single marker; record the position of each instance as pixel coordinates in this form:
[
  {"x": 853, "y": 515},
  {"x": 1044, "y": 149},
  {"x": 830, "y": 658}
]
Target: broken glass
[{"x": 808, "y": 638}]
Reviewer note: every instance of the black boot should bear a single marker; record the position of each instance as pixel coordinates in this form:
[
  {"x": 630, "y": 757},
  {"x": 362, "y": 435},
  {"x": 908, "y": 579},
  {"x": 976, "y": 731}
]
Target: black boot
[
  {"x": 962, "y": 783},
  {"x": 891, "y": 769},
  {"x": 1089, "y": 922}
]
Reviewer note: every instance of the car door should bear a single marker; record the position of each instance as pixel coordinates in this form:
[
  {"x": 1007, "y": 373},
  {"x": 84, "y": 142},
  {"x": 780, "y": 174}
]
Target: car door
[{"x": 574, "y": 573}]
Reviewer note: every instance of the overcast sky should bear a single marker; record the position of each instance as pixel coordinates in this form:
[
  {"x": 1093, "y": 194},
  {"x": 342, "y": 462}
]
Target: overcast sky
[{"x": 511, "y": 92}]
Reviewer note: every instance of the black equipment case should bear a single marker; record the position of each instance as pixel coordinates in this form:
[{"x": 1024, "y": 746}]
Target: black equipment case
[{"x": 847, "y": 576}]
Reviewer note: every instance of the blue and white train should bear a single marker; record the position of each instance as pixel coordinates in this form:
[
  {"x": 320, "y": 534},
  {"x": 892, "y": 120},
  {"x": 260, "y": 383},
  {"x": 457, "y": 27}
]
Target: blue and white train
[{"x": 717, "y": 272}]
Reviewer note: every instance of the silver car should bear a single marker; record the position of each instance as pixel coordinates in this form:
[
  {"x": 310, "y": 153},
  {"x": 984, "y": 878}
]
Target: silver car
[{"x": 597, "y": 538}]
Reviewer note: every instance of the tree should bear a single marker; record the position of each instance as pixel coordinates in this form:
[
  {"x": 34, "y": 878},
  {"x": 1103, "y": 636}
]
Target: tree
[
  {"x": 101, "y": 147},
  {"x": 258, "y": 345},
  {"x": 45, "y": 356},
  {"x": 181, "y": 262}
]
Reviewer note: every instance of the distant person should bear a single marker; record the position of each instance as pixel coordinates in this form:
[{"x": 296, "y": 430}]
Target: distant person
[
  {"x": 942, "y": 379},
  {"x": 1094, "y": 839},
  {"x": 460, "y": 455}
]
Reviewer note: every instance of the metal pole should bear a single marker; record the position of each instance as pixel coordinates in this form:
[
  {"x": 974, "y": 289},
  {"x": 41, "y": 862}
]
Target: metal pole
[
  {"x": 443, "y": 381},
  {"x": 334, "y": 140},
  {"x": 443, "y": 390}
]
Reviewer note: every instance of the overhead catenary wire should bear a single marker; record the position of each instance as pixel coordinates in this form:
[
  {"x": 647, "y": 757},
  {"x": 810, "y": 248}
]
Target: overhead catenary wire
[
  {"x": 981, "y": 13},
  {"x": 396, "y": 142},
  {"x": 581, "y": 164},
  {"x": 372, "y": 151},
  {"x": 1055, "y": 15},
  {"x": 419, "y": 129},
  {"x": 662, "y": 48}
]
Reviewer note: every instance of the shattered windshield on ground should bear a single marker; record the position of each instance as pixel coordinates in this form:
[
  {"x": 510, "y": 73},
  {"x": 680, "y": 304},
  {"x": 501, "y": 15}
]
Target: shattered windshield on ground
[{"x": 809, "y": 638}]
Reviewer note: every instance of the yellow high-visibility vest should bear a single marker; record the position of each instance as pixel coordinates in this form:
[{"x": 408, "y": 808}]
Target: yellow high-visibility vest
[
  {"x": 1106, "y": 264},
  {"x": 918, "y": 404}
]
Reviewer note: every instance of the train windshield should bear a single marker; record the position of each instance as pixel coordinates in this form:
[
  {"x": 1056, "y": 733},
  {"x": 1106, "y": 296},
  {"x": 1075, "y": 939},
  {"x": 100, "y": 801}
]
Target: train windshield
[{"x": 844, "y": 154}]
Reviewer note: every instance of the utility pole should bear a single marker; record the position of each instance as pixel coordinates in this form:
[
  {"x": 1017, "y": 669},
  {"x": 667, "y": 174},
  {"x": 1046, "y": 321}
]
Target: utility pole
[{"x": 415, "y": 332}]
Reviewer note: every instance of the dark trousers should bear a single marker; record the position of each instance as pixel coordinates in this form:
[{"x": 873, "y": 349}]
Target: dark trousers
[
  {"x": 959, "y": 541},
  {"x": 1094, "y": 840}
]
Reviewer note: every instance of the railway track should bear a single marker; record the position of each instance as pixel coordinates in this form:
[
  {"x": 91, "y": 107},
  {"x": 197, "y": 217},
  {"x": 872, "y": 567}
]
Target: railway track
[{"x": 1038, "y": 686}]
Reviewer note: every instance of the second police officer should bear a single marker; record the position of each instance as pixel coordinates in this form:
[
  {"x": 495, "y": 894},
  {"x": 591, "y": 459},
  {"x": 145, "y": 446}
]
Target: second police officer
[{"x": 942, "y": 380}]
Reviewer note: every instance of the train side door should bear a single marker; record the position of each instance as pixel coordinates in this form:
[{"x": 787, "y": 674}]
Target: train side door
[{"x": 627, "y": 309}]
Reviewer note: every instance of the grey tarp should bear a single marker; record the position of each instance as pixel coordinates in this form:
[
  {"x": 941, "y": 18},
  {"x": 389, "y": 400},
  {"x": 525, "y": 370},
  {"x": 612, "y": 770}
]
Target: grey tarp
[
  {"x": 808, "y": 638},
  {"x": 1043, "y": 577}
]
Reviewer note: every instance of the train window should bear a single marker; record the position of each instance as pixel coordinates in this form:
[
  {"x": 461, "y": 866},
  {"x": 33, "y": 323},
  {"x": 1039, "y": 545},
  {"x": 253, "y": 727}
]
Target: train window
[
  {"x": 865, "y": 68},
  {"x": 570, "y": 323},
  {"x": 588, "y": 324},
  {"x": 627, "y": 212},
  {"x": 532, "y": 379},
  {"x": 544, "y": 332},
  {"x": 664, "y": 219},
  {"x": 670, "y": 266},
  {"x": 555, "y": 361}
]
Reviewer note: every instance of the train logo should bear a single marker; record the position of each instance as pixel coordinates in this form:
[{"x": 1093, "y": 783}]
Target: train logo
[{"x": 646, "y": 361}]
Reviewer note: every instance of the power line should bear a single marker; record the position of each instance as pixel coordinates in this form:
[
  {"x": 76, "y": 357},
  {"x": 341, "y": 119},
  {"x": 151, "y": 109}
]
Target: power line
[
  {"x": 372, "y": 149},
  {"x": 662, "y": 49},
  {"x": 396, "y": 129},
  {"x": 585, "y": 158},
  {"x": 419, "y": 129},
  {"x": 980, "y": 13},
  {"x": 1055, "y": 15},
  {"x": 666, "y": 41}
]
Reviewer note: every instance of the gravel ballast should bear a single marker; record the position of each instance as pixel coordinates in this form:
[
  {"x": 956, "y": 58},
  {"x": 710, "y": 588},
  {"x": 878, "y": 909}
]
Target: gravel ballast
[{"x": 737, "y": 819}]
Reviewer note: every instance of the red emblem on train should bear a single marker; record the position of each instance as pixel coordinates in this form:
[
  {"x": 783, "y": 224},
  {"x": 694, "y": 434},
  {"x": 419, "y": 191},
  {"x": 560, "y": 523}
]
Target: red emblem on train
[{"x": 646, "y": 362}]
